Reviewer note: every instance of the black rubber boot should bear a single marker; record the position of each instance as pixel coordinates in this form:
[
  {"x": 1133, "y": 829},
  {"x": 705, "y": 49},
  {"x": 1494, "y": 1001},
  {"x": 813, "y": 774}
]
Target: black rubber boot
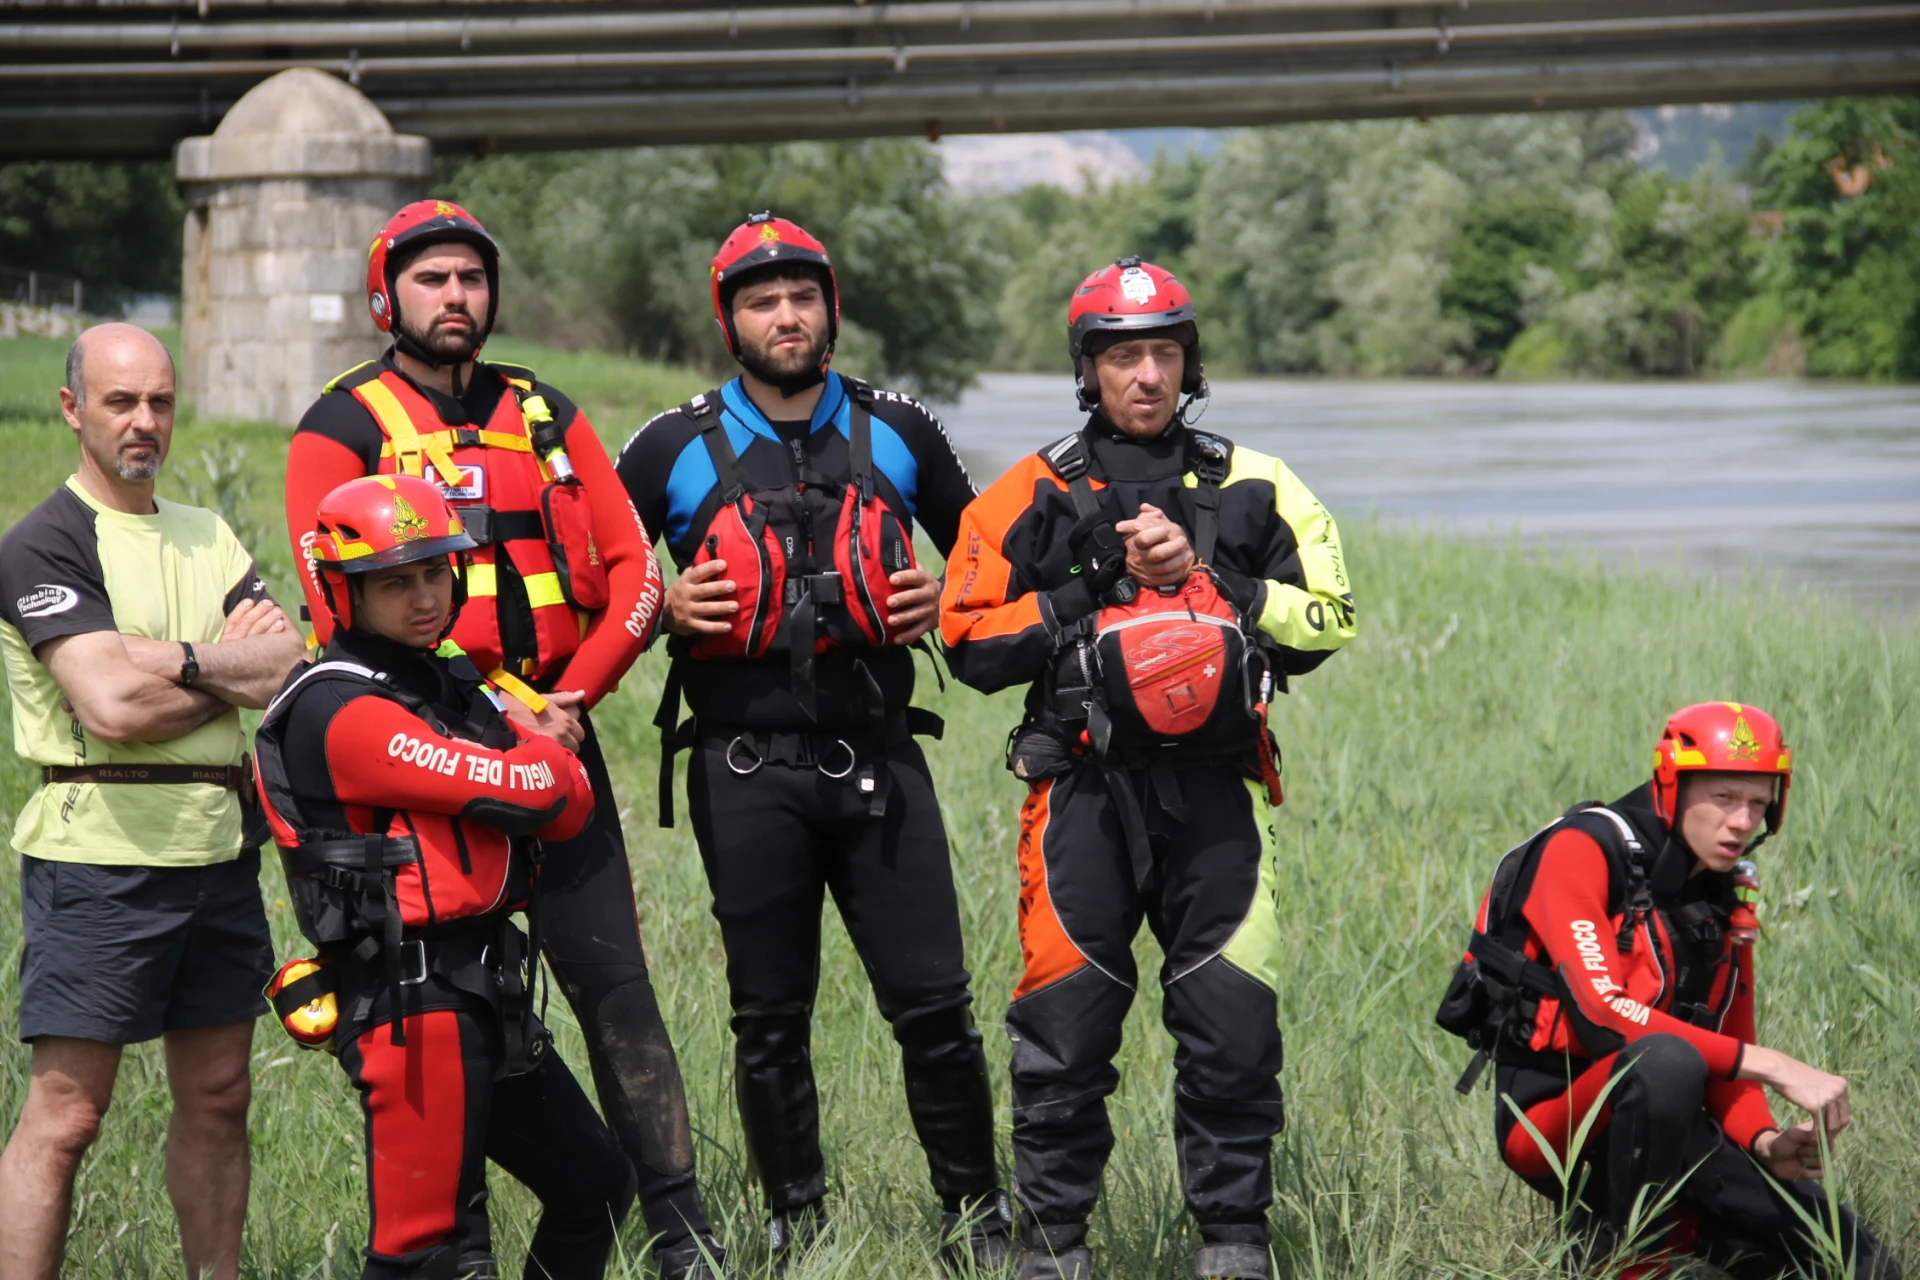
[
  {"x": 977, "y": 1238},
  {"x": 1233, "y": 1251},
  {"x": 698, "y": 1258},
  {"x": 794, "y": 1233},
  {"x": 1053, "y": 1253}
]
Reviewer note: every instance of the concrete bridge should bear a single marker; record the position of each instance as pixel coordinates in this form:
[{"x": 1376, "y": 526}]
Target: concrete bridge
[{"x": 130, "y": 78}]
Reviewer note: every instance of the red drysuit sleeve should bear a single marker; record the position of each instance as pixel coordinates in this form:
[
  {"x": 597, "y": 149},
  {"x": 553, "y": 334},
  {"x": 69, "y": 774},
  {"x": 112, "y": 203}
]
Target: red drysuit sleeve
[
  {"x": 382, "y": 755},
  {"x": 1741, "y": 1105},
  {"x": 1567, "y": 911},
  {"x": 616, "y": 636},
  {"x": 316, "y": 466}
]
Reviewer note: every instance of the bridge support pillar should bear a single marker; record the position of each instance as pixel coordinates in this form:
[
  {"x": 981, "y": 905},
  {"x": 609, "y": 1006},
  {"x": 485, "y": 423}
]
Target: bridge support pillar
[{"x": 282, "y": 201}]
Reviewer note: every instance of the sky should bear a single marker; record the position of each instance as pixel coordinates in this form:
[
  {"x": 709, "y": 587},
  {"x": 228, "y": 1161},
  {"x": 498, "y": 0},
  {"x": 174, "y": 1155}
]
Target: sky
[{"x": 1679, "y": 137}]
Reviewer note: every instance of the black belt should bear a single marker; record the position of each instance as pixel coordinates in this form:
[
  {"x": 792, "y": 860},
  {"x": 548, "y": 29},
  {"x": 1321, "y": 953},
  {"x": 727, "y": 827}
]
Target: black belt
[
  {"x": 747, "y": 750},
  {"x": 234, "y": 777},
  {"x": 485, "y": 525}
]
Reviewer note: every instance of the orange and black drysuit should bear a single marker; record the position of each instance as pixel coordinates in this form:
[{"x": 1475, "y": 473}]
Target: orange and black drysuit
[
  {"x": 1013, "y": 604},
  {"x": 407, "y": 810},
  {"x": 1642, "y": 1003},
  {"x": 530, "y": 623},
  {"x": 793, "y": 749}
]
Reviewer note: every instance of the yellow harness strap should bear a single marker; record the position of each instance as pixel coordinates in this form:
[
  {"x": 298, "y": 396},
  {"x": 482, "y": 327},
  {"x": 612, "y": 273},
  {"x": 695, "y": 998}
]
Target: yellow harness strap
[
  {"x": 445, "y": 440},
  {"x": 405, "y": 442},
  {"x": 517, "y": 689},
  {"x": 542, "y": 588}
]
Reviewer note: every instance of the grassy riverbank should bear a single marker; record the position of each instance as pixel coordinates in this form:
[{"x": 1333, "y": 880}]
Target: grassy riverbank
[{"x": 1488, "y": 690}]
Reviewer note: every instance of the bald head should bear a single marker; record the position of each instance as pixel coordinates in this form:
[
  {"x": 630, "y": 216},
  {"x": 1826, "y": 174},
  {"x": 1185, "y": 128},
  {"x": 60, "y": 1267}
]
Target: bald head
[
  {"x": 116, "y": 341},
  {"x": 119, "y": 400}
]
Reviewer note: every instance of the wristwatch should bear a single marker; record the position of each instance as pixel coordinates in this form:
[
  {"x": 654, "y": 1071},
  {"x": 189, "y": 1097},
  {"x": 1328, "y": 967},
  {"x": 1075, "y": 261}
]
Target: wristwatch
[{"x": 190, "y": 669}]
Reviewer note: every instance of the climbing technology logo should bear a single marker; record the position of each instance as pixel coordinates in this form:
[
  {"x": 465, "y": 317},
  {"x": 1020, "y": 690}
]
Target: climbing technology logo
[
  {"x": 1136, "y": 285},
  {"x": 46, "y": 599},
  {"x": 1743, "y": 745},
  {"x": 408, "y": 525}
]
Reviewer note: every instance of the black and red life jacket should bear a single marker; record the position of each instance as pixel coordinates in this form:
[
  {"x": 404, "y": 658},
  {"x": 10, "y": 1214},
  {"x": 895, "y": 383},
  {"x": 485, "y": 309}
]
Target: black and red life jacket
[
  {"x": 811, "y": 559},
  {"x": 1495, "y": 998},
  {"x": 1158, "y": 676},
  {"x": 522, "y": 504},
  {"x": 811, "y": 562}
]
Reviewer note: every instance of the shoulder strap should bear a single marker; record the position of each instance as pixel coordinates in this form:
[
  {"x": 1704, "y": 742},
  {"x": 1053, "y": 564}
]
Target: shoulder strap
[
  {"x": 1209, "y": 457},
  {"x": 704, "y": 409},
  {"x": 398, "y": 426},
  {"x": 1068, "y": 458},
  {"x": 334, "y": 383},
  {"x": 860, "y": 437},
  {"x": 351, "y": 670}
]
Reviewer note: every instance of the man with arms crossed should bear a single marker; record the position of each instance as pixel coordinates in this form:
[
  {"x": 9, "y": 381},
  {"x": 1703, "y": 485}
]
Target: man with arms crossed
[{"x": 134, "y": 629}]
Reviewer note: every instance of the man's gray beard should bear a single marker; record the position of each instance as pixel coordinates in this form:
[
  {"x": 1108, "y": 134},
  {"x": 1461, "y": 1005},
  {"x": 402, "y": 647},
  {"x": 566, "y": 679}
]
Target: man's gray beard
[{"x": 139, "y": 472}]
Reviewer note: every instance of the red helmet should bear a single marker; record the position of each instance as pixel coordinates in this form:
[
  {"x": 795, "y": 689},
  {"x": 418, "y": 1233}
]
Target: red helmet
[
  {"x": 377, "y": 522},
  {"x": 421, "y": 223},
  {"x": 1720, "y": 737},
  {"x": 1131, "y": 298},
  {"x": 766, "y": 241}
]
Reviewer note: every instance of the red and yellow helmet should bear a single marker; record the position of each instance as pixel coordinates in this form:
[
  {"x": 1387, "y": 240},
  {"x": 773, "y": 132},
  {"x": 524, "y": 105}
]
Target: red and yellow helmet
[
  {"x": 1132, "y": 299},
  {"x": 377, "y": 522},
  {"x": 764, "y": 241},
  {"x": 422, "y": 223},
  {"x": 1720, "y": 737}
]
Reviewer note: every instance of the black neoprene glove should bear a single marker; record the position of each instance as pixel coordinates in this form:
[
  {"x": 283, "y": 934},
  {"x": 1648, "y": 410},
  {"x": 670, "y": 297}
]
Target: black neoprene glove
[{"x": 1099, "y": 563}]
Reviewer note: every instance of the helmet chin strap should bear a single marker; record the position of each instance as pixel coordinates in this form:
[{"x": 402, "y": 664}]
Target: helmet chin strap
[{"x": 404, "y": 343}]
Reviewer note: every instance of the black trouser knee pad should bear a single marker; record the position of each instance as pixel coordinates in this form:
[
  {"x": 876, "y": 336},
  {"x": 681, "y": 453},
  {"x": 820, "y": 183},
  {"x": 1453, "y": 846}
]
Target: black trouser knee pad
[
  {"x": 779, "y": 1109},
  {"x": 950, "y": 1100},
  {"x": 1665, "y": 1079}
]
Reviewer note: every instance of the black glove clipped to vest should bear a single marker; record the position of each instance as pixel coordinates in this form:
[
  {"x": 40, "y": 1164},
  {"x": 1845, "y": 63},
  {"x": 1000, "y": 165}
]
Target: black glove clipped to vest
[{"x": 1100, "y": 570}]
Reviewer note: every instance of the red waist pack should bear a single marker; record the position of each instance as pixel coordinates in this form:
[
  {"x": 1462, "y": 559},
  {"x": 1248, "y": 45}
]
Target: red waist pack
[{"x": 1173, "y": 666}]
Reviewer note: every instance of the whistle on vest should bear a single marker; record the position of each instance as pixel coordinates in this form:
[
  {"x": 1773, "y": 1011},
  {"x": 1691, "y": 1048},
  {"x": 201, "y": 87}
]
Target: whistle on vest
[{"x": 1743, "y": 922}]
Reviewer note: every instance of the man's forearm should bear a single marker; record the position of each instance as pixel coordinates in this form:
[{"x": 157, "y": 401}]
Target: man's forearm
[
  {"x": 157, "y": 710},
  {"x": 242, "y": 673},
  {"x": 249, "y": 672}
]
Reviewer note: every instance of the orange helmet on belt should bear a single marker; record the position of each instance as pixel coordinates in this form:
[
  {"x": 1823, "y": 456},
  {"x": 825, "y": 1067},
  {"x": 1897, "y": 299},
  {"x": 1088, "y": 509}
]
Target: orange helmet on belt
[
  {"x": 761, "y": 242},
  {"x": 377, "y": 522},
  {"x": 422, "y": 223},
  {"x": 1720, "y": 737},
  {"x": 1131, "y": 299}
]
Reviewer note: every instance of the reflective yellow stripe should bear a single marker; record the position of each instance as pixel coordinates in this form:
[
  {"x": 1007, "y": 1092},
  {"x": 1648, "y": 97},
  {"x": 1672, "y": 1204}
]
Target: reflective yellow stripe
[
  {"x": 407, "y": 444},
  {"x": 519, "y": 690},
  {"x": 543, "y": 589}
]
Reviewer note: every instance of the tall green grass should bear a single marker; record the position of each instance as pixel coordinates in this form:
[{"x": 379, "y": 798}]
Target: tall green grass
[{"x": 1489, "y": 689}]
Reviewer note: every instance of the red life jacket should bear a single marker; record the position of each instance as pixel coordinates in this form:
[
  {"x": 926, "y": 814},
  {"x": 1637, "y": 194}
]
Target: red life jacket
[
  {"x": 811, "y": 559},
  {"x": 523, "y": 505}
]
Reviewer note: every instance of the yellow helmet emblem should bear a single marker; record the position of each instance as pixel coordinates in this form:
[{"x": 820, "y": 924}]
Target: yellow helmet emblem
[
  {"x": 408, "y": 525},
  {"x": 768, "y": 232},
  {"x": 444, "y": 209},
  {"x": 1743, "y": 745}
]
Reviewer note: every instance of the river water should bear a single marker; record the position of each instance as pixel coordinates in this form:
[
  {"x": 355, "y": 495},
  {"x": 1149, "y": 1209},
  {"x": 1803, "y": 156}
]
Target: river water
[{"x": 1814, "y": 482}]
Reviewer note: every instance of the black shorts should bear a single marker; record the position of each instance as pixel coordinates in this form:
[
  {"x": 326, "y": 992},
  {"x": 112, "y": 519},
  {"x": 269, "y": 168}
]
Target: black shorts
[{"x": 121, "y": 954}]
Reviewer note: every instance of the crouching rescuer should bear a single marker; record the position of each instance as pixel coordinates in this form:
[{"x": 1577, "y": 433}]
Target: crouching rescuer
[
  {"x": 1155, "y": 586},
  {"x": 1610, "y": 978},
  {"x": 409, "y": 812}
]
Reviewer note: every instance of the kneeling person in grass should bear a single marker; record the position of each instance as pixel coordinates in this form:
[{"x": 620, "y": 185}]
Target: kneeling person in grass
[
  {"x": 1611, "y": 978},
  {"x": 134, "y": 629}
]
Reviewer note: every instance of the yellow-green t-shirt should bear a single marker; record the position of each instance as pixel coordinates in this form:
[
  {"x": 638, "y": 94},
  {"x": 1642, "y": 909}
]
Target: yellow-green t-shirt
[{"x": 72, "y": 566}]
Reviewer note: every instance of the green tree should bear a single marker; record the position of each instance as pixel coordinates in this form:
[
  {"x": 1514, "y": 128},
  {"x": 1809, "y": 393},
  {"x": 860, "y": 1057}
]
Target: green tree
[
  {"x": 1847, "y": 184},
  {"x": 115, "y": 226}
]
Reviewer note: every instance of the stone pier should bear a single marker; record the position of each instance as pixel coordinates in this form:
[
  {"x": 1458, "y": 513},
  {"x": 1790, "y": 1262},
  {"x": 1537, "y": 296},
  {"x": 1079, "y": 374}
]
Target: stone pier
[{"x": 283, "y": 200}]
